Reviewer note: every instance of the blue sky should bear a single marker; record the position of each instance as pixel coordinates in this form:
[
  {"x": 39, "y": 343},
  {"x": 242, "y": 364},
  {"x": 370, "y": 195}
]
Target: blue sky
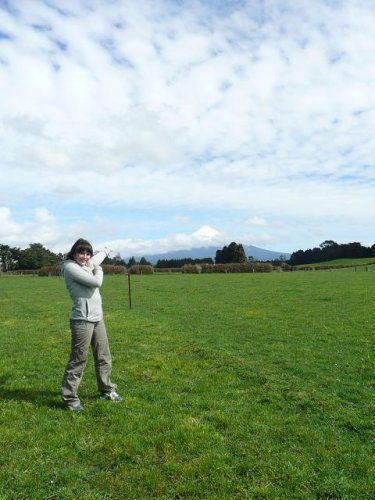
[{"x": 157, "y": 125}]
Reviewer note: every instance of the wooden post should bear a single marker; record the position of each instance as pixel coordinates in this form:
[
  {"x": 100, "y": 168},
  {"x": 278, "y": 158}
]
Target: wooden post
[{"x": 130, "y": 292}]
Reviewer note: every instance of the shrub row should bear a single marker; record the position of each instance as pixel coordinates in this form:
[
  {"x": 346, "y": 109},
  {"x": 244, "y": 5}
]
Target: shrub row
[
  {"x": 167, "y": 269},
  {"x": 284, "y": 267},
  {"x": 141, "y": 269},
  {"x": 330, "y": 268},
  {"x": 20, "y": 272},
  {"x": 254, "y": 267},
  {"x": 49, "y": 271},
  {"x": 248, "y": 267},
  {"x": 56, "y": 270},
  {"x": 111, "y": 269}
]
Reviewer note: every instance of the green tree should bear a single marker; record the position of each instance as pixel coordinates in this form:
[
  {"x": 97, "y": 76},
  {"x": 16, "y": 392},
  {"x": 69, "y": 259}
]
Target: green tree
[
  {"x": 329, "y": 250},
  {"x": 328, "y": 243},
  {"x": 232, "y": 253},
  {"x": 132, "y": 262},
  {"x": 238, "y": 253},
  {"x": 9, "y": 257},
  {"x": 144, "y": 262},
  {"x": 114, "y": 261},
  {"x": 222, "y": 256},
  {"x": 36, "y": 256}
]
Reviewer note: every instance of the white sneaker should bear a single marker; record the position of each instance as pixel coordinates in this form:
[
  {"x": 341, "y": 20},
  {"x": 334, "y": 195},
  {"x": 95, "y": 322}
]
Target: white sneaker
[
  {"x": 112, "y": 396},
  {"x": 76, "y": 407}
]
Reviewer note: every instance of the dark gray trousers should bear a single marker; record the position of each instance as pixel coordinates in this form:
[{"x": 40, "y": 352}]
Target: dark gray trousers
[{"x": 84, "y": 334}]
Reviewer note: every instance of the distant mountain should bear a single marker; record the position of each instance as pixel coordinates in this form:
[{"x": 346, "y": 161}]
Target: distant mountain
[
  {"x": 262, "y": 254},
  {"x": 203, "y": 252}
]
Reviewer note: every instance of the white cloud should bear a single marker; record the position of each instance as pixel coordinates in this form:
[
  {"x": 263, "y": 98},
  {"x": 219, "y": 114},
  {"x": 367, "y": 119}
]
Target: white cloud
[
  {"x": 42, "y": 227},
  {"x": 8, "y": 227},
  {"x": 203, "y": 237},
  {"x": 256, "y": 221},
  {"x": 206, "y": 233},
  {"x": 185, "y": 108},
  {"x": 181, "y": 219}
]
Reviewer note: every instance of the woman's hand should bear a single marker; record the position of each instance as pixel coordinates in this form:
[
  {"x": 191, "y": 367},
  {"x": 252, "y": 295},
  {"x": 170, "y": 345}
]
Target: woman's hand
[{"x": 108, "y": 251}]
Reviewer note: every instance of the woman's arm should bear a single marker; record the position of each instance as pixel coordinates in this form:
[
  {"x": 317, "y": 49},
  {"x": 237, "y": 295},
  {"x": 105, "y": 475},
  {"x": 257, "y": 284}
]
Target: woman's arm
[
  {"x": 98, "y": 258},
  {"x": 84, "y": 276}
]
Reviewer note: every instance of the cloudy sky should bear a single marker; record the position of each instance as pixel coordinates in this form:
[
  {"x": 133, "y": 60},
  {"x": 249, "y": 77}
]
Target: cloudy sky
[{"x": 154, "y": 125}]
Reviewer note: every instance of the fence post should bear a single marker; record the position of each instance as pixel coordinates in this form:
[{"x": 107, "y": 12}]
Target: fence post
[{"x": 130, "y": 292}]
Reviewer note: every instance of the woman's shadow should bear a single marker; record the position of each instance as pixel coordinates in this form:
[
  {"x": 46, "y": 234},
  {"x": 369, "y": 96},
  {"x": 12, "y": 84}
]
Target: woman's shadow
[{"x": 36, "y": 396}]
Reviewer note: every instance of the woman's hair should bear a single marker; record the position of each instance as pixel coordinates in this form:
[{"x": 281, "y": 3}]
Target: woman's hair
[{"x": 80, "y": 245}]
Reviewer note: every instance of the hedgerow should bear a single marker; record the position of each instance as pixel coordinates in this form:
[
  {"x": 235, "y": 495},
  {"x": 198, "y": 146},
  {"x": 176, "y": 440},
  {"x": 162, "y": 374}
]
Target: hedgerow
[
  {"x": 111, "y": 269},
  {"x": 56, "y": 270},
  {"x": 192, "y": 268},
  {"x": 251, "y": 267},
  {"x": 141, "y": 269},
  {"x": 49, "y": 271}
]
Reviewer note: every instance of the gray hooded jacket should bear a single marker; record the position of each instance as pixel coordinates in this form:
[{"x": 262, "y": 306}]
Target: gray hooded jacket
[{"x": 83, "y": 283}]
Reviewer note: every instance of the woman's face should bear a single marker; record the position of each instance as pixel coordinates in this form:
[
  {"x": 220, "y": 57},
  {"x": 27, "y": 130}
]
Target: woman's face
[{"x": 82, "y": 258}]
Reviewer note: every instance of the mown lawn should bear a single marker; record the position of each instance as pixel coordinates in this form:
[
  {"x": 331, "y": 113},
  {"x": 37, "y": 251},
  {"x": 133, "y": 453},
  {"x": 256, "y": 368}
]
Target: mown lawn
[{"x": 236, "y": 386}]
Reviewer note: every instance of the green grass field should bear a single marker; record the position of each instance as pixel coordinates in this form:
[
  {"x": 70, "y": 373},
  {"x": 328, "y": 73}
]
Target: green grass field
[
  {"x": 365, "y": 261},
  {"x": 237, "y": 386}
]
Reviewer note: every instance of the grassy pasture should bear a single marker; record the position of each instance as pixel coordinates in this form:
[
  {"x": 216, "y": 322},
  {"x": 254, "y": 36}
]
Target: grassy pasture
[
  {"x": 237, "y": 386},
  {"x": 365, "y": 261}
]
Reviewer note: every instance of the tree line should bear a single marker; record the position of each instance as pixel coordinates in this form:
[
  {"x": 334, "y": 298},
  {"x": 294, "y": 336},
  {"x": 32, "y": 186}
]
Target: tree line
[
  {"x": 37, "y": 256},
  {"x": 233, "y": 253},
  {"x": 33, "y": 257},
  {"x": 330, "y": 250}
]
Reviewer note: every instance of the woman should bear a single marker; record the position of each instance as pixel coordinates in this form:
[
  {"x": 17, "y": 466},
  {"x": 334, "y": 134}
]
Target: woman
[{"x": 83, "y": 278}]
